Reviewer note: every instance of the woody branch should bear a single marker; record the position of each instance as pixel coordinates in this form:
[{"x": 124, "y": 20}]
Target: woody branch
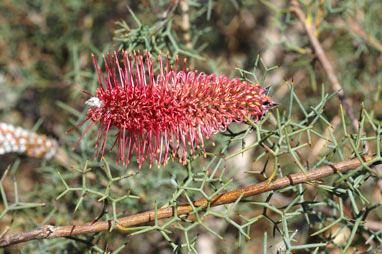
[
  {"x": 49, "y": 231},
  {"x": 320, "y": 53}
]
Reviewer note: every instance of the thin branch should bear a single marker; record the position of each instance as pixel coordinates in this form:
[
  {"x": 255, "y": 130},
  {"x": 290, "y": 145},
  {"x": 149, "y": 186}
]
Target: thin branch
[
  {"x": 185, "y": 24},
  {"x": 357, "y": 29},
  {"x": 49, "y": 231},
  {"x": 310, "y": 30}
]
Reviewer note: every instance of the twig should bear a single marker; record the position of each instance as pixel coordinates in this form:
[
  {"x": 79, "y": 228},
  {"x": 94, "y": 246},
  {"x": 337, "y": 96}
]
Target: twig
[
  {"x": 5, "y": 231},
  {"x": 185, "y": 25},
  {"x": 357, "y": 29},
  {"x": 310, "y": 30},
  {"x": 184, "y": 6},
  {"x": 49, "y": 232},
  {"x": 166, "y": 15}
]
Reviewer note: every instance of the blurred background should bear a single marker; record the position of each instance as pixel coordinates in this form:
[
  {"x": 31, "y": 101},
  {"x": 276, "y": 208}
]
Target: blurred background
[{"x": 45, "y": 63}]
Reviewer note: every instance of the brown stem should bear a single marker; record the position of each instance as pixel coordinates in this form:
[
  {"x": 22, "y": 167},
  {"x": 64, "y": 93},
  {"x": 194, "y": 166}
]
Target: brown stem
[
  {"x": 310, "y": 30},
  {"x": 185, "y": 24},
  {"x": 49, "y": 232},
  {"x": 357, "y": 29}
]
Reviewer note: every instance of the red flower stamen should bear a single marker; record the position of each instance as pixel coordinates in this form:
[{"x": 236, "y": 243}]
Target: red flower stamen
[{"x": 176, "y": 109}]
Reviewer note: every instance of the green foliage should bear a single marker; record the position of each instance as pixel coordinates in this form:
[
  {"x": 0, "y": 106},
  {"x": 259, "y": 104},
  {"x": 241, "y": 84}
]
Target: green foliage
[{"x": 159, "y": 36}]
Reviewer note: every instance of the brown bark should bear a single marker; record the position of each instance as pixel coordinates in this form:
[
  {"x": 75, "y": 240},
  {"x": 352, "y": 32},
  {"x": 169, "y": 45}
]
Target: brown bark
[{"x": 49, "y": 231}]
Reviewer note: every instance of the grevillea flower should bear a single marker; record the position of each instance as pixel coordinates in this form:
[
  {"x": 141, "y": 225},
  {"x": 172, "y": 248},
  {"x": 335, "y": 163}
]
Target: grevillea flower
[{"x": 168, "y": 112}]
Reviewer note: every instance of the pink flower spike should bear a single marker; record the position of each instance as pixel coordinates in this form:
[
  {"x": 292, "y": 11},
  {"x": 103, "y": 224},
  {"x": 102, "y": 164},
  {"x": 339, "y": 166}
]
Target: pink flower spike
[{"x": 165, "y": 114}]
